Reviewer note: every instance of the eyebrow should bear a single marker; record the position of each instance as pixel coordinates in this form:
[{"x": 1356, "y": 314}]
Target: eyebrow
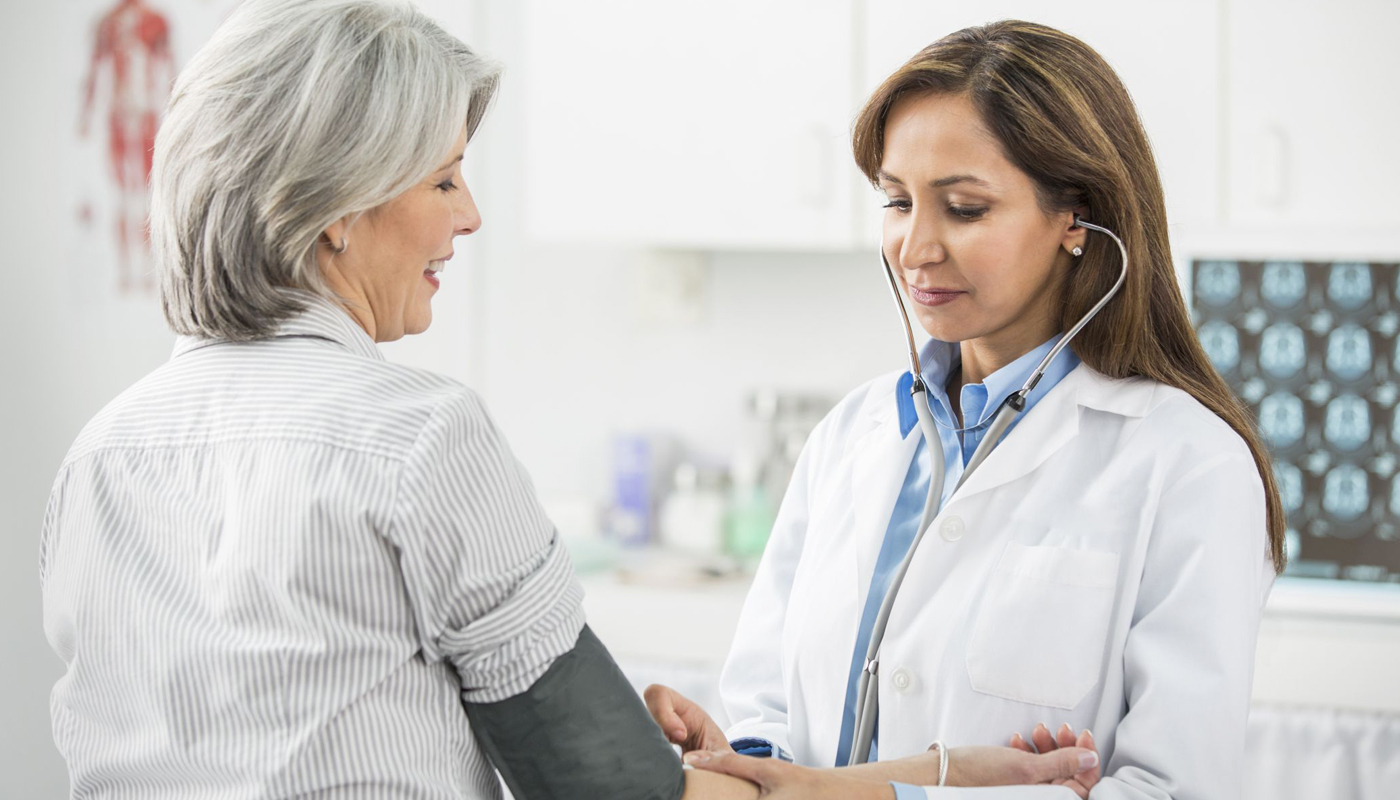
[
  {"x": 448, "y": 164},
  {"x": 938, "y": 184}
]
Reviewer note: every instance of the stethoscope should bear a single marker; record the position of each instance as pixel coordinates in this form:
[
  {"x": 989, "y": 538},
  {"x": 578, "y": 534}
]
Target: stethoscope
[{"x": 868, "y": 693}]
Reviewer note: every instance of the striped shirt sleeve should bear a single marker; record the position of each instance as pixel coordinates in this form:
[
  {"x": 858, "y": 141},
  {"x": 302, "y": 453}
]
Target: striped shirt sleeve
[{"x": 491, "y": 583}]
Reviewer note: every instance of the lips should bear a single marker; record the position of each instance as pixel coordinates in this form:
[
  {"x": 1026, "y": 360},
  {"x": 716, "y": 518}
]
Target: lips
[{"x": 934, "y": 295}]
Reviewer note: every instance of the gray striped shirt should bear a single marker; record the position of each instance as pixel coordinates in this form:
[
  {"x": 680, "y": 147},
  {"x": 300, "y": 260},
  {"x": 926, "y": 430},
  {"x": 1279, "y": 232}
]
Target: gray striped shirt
[{"x": 278, "y": 568}]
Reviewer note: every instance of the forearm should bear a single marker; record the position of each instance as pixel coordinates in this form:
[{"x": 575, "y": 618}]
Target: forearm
[
  {"x": 919, "y": 770},
  {"x": 702, "y": 785}
]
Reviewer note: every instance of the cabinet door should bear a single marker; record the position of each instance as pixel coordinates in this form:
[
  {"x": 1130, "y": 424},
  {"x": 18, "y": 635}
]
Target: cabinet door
[
  {"x": 1312, "y": 113},
  {"x": 1166, "y": 53},
  {"x": 717, "y": 124}
]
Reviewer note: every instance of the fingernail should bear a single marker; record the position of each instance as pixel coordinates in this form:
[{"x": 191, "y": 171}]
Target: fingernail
[
  {"x": 1042, "y": 725},
  {"x": 1088, "y": 734},
  {"x": 696, "y": 757},
  {"x": 1066, "y": 727},
  {"x": 677, "y": 734},
  {"x": 1088, "y": 760}
]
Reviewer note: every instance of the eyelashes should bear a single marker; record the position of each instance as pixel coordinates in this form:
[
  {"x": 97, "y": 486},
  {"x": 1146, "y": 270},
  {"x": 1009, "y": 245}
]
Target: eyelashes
[
  {"x": 966, "y": 213},
  {"x": 447, "y": 185}
]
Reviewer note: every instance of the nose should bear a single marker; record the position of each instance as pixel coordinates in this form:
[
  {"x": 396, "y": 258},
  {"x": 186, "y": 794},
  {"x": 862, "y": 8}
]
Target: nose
[
  {"x": 466, "y": 217},
  {"x": 920, "y": 245}
]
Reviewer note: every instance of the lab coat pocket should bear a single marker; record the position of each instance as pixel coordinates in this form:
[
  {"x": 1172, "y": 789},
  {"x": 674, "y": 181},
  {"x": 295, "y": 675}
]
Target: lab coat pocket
[{"x": 1041, "y": 632}]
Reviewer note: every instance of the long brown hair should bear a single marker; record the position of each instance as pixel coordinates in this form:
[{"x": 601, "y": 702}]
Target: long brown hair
[{"x": 1063, "y": 117}]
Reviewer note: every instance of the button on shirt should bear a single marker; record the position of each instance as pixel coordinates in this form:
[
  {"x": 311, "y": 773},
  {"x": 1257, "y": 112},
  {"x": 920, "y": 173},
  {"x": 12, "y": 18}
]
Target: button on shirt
[
  {"x": 979, "y": 403},
  {"x": 277, "y": 569}
]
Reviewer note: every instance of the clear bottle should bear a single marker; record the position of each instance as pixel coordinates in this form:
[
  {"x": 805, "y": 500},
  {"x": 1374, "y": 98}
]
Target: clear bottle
[{"x": 751, "y": 512}]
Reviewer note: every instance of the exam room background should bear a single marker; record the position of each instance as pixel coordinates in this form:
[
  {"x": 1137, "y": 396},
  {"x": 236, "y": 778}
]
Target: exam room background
[{"x": 581, "y": 309}]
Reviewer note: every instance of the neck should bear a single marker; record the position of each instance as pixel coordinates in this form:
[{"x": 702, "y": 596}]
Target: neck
[
  {"x": 984, "y": 356},
  {"x": 356, "y": 299}
]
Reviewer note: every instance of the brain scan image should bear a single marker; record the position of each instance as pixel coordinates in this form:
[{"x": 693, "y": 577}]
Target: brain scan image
[
  {"x": 1282, "y": 350},
  {"x": 1222, "y": 344},
  {"x": 1313, "y": 348},
  {"x": 1344, "y": 492},
  {"x": 1218, "y": 282},
  {"x": 1283, "y": 284},
  {"x": 1281, "y": 419},
  {"x": 1290, "y": 486},
  {"x": 1348, "y": 422},
  {"x": 1349, "y": 284},
  {"x": 1349, "y": 352}
]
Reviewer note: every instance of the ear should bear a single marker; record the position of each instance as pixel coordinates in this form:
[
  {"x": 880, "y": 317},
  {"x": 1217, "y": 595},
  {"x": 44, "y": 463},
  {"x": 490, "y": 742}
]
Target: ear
[
  {"x": 1074, "y": 236},
  {"x": 333, "y": 235}
]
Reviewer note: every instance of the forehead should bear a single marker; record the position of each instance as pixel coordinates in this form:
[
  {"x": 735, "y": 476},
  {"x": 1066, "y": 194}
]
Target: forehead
[{"x": 941, "y": 133}]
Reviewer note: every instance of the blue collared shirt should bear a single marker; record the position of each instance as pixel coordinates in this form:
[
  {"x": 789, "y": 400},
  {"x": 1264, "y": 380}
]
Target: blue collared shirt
[{"x": 979, "y": 404}]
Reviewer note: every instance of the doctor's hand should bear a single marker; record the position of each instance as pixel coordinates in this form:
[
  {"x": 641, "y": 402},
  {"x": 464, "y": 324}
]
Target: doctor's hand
[
  {"x": 684, "y": 722},
  {"x": 1045, "y": 742},
  {"x": 780, "y": 780}
]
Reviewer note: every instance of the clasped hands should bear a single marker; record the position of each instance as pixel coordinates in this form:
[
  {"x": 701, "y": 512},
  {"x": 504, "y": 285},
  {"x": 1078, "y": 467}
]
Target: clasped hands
[{"x": 1061, "y": 759}]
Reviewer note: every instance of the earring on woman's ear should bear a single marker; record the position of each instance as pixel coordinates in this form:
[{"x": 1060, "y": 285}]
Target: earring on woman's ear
[
  {"x": 1077, "y": 251},
  {"x": 343, "y": 247}
]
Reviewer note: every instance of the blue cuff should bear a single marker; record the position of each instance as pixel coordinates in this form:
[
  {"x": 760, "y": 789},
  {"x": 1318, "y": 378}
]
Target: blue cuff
[
  {"x": 759, "y": 748},
  {"x": 903, "y": 791}
]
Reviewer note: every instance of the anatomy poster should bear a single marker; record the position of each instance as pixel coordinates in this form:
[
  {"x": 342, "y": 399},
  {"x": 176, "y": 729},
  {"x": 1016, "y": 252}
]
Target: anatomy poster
[{"x": 123, "y": 58}]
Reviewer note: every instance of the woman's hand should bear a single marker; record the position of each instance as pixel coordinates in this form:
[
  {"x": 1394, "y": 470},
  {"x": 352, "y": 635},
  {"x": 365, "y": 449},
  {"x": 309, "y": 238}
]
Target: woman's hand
[
  {"x": 684, "y": 722},
  {"x": 779, "y": 780},
  {"x": 1064, "y": 738}
]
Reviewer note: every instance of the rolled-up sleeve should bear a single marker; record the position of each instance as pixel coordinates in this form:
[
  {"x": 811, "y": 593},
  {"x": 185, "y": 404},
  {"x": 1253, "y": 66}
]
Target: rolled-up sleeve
[{"x": 492, "y": 586}]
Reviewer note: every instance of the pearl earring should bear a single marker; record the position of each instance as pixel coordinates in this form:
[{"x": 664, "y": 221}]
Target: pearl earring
[{"x": 1078, "y": 251}]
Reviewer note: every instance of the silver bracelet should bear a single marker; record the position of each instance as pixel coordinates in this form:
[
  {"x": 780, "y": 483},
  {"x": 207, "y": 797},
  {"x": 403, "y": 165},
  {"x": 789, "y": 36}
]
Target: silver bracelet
[{"x": 942, "y": 761}]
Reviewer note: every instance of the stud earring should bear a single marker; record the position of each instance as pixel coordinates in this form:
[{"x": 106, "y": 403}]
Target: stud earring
[{"x": 1077, "y": 251}]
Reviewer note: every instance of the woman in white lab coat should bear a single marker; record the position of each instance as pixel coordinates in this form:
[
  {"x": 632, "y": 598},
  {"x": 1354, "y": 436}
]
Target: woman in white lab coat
[{"x": 1106, "y": 567}]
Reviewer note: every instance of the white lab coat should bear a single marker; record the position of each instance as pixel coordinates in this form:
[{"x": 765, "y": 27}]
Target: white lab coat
[{"x": 1106, "y": 566}]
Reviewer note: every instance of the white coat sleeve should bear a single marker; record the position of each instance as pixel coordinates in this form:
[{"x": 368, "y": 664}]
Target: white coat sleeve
[
  {"x": 1189, "y": 656},
  {"x": 751, "y": 684}
]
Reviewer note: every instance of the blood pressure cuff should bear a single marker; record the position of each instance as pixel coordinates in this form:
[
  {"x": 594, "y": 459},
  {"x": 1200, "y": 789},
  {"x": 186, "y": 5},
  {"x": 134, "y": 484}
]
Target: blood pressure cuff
[{"x": 580, "y": 731}]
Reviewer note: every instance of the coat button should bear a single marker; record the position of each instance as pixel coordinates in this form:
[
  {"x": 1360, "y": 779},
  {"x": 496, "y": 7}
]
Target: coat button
[
  {"x": 902, "y": 680},
  {"x": 952, "y": 529}
]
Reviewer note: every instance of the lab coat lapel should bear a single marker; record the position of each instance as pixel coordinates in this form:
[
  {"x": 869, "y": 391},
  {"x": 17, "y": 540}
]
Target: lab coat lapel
[
  {"x": 880, "y": 462},
  {"x": 1047, "y": 427}
]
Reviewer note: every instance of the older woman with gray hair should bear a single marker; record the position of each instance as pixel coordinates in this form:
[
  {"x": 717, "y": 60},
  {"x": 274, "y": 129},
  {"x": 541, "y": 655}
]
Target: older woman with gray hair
[{"x": 279, "y": 566}]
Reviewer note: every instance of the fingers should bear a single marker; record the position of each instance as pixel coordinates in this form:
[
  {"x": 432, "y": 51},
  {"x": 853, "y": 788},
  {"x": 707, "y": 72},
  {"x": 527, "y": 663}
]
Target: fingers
[
  {"x": 661, "y": 704},
  {"x": 1066, "y": 762},
  {"x": 1020, "y": 744},
  {"x": 1041, "y": 738},
  {"x": 1090, "y": 776},
  {"x": 1064, "y": 737},
  {"x": 756, "y": 770}
]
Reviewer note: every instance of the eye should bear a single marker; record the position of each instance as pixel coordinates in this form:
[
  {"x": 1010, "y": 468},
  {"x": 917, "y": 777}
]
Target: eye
[
  {"x": 967, "y": 212},
  {"x": 447, "y": 185},
  {"x": 897, "y": 204}
]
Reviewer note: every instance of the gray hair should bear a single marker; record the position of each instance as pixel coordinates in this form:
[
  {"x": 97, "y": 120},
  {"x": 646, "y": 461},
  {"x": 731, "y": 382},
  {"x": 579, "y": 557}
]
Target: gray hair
[{"x": 295, "y": 114}]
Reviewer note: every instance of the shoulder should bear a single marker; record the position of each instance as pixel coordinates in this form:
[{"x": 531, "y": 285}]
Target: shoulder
[
  {"x": 863, "y": 407},
  {"x": 1163, "y": 416},
  {"x": 305, "y": 392}
]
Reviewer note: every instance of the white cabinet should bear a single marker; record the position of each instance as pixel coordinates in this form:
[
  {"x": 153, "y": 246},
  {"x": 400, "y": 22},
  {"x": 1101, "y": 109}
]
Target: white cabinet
[
  {"x": 1312, "y": 113},
  {"x": 1165, "y": 53},
  {"x": 718, "y": 125}
]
